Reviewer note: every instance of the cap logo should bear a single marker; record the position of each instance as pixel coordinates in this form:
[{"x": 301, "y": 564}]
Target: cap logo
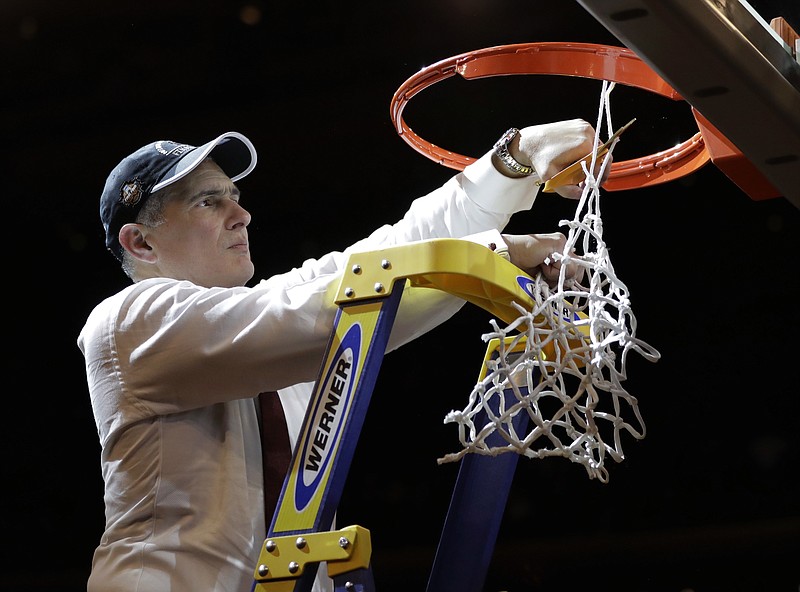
[
  {"x": 176, "y": 150},
  {"x": 131, "y": 192}
]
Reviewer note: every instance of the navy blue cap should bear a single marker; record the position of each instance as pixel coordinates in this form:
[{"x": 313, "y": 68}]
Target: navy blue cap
[{"x": 158, "y": 165}]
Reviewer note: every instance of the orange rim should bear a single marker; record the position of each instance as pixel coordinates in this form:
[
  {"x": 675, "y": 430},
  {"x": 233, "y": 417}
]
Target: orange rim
[{"x": 584, "y": 60}]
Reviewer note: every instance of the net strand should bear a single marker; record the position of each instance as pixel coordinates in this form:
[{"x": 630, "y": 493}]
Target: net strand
[{"x": 554, "y": 387}]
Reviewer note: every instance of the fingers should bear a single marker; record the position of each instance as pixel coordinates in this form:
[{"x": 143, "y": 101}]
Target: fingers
[
  {"x": 552, "y": 147},
  {"x": 551, "y": 270},
  {"x": 604, "y": 166},
  {"x": 537, "y": 253},
  {"x": 570, "y": 191},
  {"x": 602, "y": 169},
  {"x": 529, "y": 251}
]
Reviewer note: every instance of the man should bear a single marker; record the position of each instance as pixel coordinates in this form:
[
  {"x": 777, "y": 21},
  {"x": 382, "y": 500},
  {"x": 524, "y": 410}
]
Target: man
[{"x": 176, "y": 361}]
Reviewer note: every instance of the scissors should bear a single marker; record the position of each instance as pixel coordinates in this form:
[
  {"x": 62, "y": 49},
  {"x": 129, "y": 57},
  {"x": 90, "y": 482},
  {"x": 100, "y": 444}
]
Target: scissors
[{"x": 573, "y": 174}]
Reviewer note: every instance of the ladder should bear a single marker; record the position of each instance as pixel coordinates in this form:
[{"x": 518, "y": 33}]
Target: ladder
[{"x": 299, "y": 537}]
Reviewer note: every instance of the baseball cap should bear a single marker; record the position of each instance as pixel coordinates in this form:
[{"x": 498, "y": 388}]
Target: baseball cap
[{"x": 159, "y": 164}]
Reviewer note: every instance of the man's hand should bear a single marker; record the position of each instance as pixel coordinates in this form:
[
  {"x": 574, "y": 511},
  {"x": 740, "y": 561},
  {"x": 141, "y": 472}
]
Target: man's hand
[
  {"x": 552, "y": 147},
  {"x": 533, "y": 253}
]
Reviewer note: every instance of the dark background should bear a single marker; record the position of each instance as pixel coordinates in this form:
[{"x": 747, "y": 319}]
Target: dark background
[{"x": 708, "y": 501}]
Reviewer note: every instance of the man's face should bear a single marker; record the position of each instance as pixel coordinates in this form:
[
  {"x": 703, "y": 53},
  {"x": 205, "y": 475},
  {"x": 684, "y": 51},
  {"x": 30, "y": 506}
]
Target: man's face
[{"x": 204, "y": 236}]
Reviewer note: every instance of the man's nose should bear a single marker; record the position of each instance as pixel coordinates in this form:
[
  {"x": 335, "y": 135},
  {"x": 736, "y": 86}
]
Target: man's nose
[{"x": 239, "y": 216}]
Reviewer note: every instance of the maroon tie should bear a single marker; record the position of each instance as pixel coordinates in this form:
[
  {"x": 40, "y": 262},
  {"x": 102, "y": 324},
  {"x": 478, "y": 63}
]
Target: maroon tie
[{"x": 276, "y": 450}]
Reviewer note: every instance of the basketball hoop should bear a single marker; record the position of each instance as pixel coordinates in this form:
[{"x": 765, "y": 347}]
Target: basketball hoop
[{"x": 584, "y": 60}]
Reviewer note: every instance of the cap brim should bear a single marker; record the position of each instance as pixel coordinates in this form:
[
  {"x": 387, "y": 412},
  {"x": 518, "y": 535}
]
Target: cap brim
[{"x": 232, "y": 152}]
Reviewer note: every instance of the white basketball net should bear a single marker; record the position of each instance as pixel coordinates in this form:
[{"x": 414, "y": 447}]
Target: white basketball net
[{"x": 573, "y": 395}]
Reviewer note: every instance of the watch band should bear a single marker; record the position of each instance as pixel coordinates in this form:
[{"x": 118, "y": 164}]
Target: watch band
[{"x": 511, "y": 163}]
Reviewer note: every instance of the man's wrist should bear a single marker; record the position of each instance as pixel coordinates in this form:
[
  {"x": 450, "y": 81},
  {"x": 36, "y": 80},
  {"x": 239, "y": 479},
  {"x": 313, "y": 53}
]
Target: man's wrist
[{"x": 505, "y": 162}]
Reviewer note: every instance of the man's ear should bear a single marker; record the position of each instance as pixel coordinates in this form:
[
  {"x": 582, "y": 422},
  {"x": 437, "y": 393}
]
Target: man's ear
[{"x": 133, "y": 239}]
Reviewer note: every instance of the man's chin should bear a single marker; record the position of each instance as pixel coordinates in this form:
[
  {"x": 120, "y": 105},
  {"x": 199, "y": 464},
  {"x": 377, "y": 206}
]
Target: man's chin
[
  {"x": 235, "y": 273},
  {"x": 245, "y": 273}
]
